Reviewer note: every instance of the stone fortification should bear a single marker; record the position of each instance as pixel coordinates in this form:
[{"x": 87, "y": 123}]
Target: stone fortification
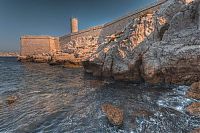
[
  {"x": 85, "y": 42},
  {"x": 31, "y": 45},
  {"x": 81, "y": 44}
]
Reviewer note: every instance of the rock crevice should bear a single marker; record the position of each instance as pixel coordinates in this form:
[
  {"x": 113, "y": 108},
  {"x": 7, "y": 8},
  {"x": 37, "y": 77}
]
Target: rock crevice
[{"x": 160, "y": 47}]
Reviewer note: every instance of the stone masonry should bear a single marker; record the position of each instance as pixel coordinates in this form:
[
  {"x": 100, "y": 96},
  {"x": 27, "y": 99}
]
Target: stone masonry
[{"x": 32, "y": 45}]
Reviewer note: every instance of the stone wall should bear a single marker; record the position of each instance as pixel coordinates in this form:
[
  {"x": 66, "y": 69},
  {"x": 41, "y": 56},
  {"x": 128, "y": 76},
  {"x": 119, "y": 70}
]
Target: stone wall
[
  {"x": 97, "y": 35},
  {"x": 32, "y": 45}
]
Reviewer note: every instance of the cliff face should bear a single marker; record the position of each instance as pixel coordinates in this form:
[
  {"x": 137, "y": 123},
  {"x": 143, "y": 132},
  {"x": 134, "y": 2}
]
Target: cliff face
[{"x": 160, "y": 47}]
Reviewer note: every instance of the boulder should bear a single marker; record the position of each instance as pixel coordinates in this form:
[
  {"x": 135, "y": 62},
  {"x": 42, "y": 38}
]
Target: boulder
[
  {"x": 194, "y": 91},
  {"x": 197, "y": 130},
  {"x": 11, "y": 99},
  {"x": 194, "y": 109},
  {"x": 113, "y": 113}
]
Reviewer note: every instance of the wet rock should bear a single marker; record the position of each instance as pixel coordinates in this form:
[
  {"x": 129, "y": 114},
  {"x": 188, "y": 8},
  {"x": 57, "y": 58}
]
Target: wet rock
[
  {"x": 197, "y": 130},
  {"x": 194, "y": 108},
  {"x": 114, "y": 114},
  {"x": 194, "y": 91},
  {"x": 11, "y": 99},
  {"x": 142, "y": 113},
  {"x": 74, "y": 64}
]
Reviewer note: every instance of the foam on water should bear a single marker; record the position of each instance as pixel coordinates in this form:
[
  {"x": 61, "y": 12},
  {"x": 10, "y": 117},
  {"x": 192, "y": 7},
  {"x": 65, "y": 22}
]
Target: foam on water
[{"x": 55, "y": 99}]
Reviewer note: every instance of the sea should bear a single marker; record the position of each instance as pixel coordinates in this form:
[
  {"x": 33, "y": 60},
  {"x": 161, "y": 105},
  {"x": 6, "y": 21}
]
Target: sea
[{"x": 53, "y": 99}]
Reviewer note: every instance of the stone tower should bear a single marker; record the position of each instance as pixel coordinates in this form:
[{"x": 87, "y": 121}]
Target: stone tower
[{"x": 74, "y": 25}]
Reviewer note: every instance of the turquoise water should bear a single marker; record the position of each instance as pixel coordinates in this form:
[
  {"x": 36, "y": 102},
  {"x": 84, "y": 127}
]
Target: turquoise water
[{"x": 52, "y": 99}]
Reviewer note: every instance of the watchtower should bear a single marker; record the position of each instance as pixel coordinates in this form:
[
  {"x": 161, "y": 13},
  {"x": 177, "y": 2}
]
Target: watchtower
[{"x": 74, "y": 25}]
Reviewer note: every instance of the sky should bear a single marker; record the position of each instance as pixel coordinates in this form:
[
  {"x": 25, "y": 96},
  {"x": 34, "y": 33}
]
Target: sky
[{"x": 52, "y": 17}]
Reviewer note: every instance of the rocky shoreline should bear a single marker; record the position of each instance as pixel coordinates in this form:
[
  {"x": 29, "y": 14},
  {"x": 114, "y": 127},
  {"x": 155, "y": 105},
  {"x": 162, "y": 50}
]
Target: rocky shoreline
[
  {"x": 163, "y": 47},
  {"x": 9, "y": 54},
  {"x": 159, "y": 47}
]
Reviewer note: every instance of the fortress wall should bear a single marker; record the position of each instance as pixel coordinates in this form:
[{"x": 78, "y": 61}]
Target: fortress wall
[
  {"x": 31, "y": 45},
  {"x": 82, "y": 43},
  {"x": 98, "y": 34}
]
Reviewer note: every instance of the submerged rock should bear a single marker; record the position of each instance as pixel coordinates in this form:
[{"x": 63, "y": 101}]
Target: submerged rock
[
  {"x": 114, "y": 114},
  {"x": 11, "y": 99},
  {"x": 194, "y": 109},
  {"x": 197, "y": 130},
  {"x": 194, "y": 91}
]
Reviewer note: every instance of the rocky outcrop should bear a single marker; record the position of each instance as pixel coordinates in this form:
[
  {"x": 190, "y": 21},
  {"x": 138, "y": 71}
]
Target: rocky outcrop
[
  {"x": 194, "y": 109},
  {"x": 194, "y": 91},
  {"x": 197, "y": 130},
  {"x": 114, "y": 114},
  {"x": 11, "y": 99},
  {"x": 81, "y": 47},
  {"x": 66, "y": 60},
  {"x": 159, "y": 47},
  {"x": 37, "y": 58},
  {"x": 9, "y": 54},
  {"x": 57, "y": 58}
]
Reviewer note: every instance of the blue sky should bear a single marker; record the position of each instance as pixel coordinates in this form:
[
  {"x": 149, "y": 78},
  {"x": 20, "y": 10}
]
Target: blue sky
[{"x": 52, "y": 17}]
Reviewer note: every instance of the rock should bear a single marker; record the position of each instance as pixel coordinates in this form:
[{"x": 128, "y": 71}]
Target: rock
[
  {"x": 197, "y": 130},
  {"x": 41, "y": 58},
  {"x": 163, "y": 47},
  {"x": 194, "y": 91},
  {"x": 114, "y": 114},
  {"x": 194, "y": 109},
  {"x": 142, "y": 113},
  {"x": 24, "y": 58},
  {"x": 66, "y": 60},
  {"x": 74, "y": 64},
  {"x": 11, "y": 99}
]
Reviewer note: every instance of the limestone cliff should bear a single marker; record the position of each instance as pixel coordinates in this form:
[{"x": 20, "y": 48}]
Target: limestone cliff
[{"x": 160, "y": 47}]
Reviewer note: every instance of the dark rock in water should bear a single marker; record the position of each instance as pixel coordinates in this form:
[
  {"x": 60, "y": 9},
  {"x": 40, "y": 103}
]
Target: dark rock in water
[
  {"x": 70, "y": 64},
  {"x": 194, "y": 109},
  {"x": 194, "y": 91},
  {"x": 11, "y": 99},
  {"x": 114, "y": 114},
  {"x": 197, "y": 130}
]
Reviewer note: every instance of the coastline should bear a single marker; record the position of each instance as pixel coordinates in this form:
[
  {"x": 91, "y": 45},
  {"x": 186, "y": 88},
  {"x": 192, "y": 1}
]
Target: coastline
[{"x": 9, "y": 54}]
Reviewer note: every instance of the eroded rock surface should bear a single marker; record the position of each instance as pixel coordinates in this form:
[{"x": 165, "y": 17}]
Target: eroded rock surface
[
  {"x": 114, "y": 114},
  {"x": 11, "y": 99},
  {"x": 159, "y": 47},
  {"x": 194, "y": 108},
  {"x": 197, "y": 130},
  {"x": 194, "y": 91}
]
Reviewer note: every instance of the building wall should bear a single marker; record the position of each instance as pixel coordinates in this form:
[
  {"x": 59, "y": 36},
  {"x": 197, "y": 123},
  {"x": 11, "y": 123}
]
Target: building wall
[
  {"x": 100, "y": 32},
  {"x": 31, "y": 45}
]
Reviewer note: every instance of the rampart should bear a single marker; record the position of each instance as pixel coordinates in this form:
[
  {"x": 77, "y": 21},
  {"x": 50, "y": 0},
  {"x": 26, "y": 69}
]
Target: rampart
[
  {"x": 78, "y": 42},
  {"x": 98, "y": 33},
  {"x": 31, "y": 45}
]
